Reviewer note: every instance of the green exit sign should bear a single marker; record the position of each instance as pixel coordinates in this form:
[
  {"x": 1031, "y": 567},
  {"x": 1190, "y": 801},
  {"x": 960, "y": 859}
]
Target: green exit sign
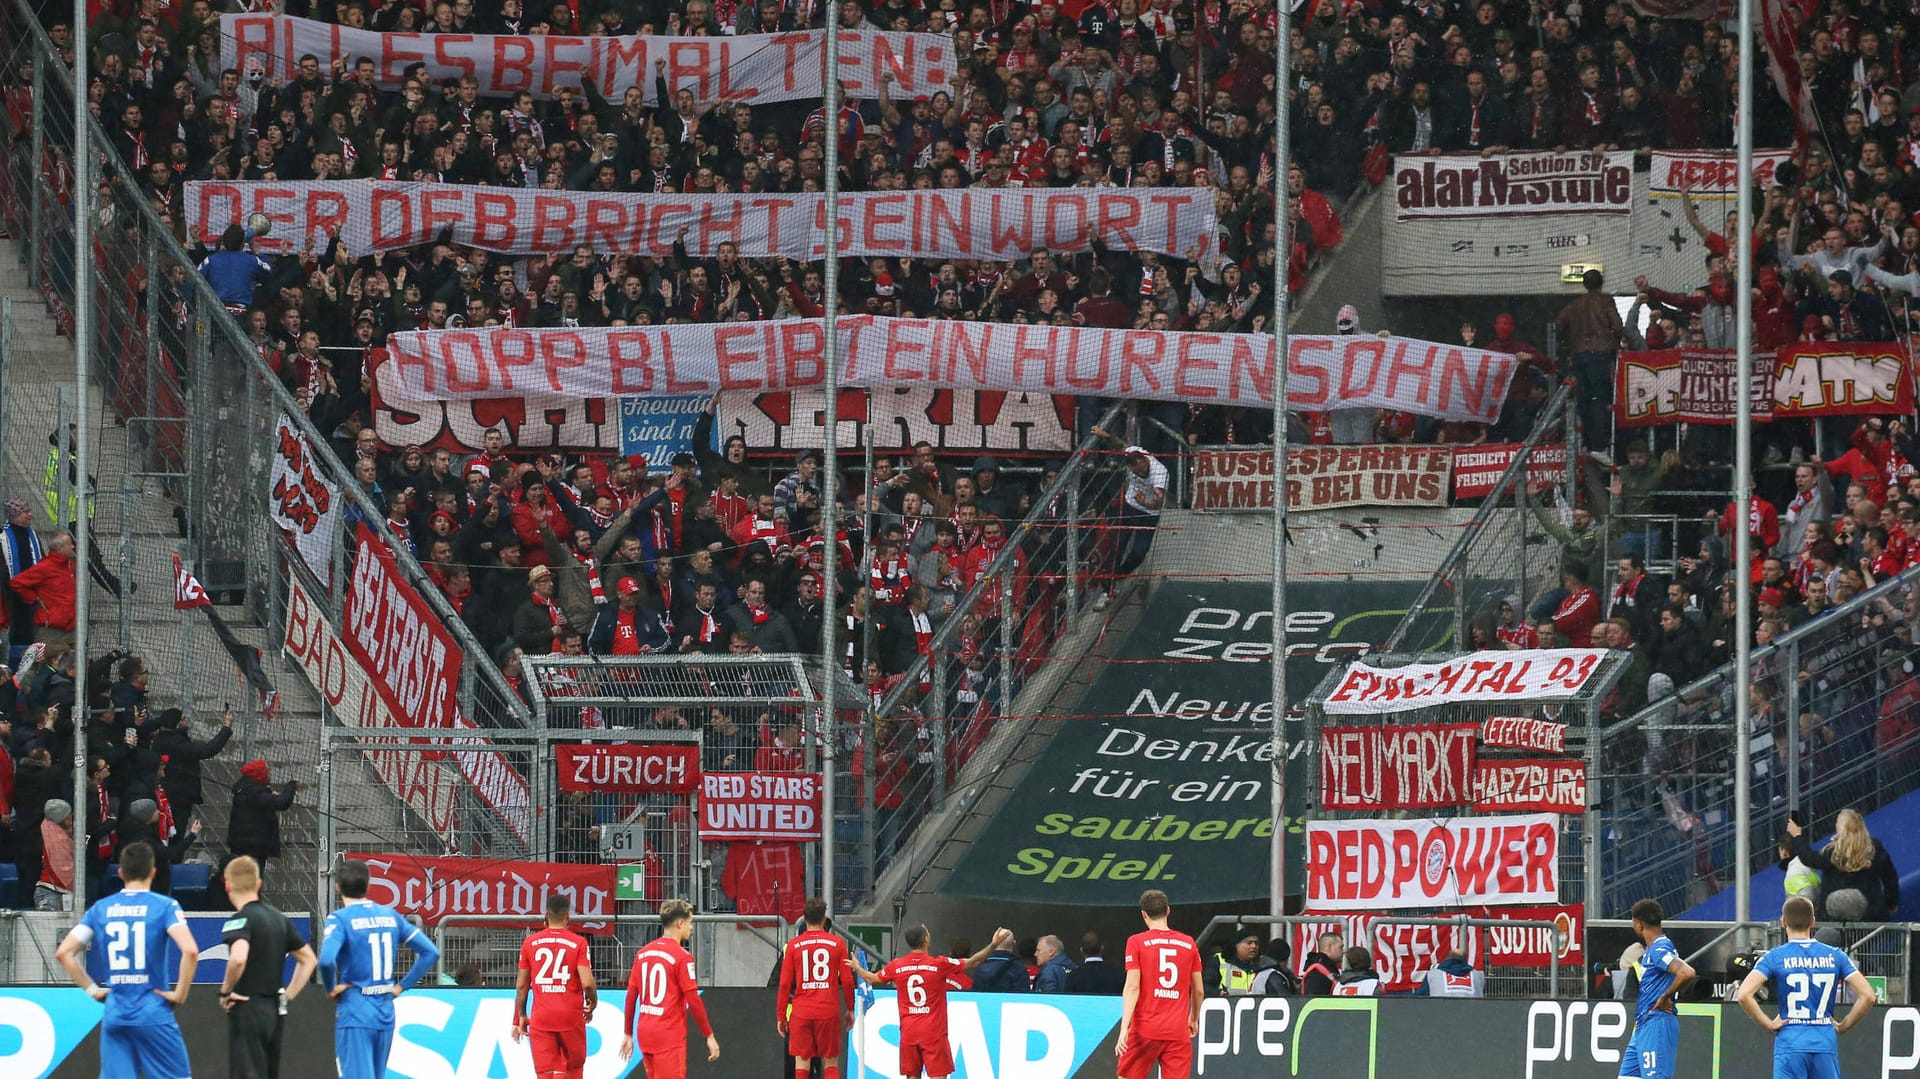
[{"x": 629, "y": 883}]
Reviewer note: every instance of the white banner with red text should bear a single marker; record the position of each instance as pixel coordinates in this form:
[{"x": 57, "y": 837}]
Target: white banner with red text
[
  {"x": 1322, "y": 477},
  {"x": 302, "y": 501},
  {"x": 374, "y": 216},
  {"x": 1708, "y": 176},
  {"x": 1514, "y": 184},
  {"x": 437, "y": 889},
  {"x": 1404, "y": 374},
  {"x": 1398, "y": 766},
  {"x": 1402, "y": 954},
  {"x": 1398, "y": 864},
  {"x": 747, "y": 68},
  {"x": 1549, "y": 673},
  {"x": 1532, "y": 786},
  {"x": 1477, "y": 468},
  {"x": 781, "y": 806},
  {"x": 629, "y": 767},
  {"x": 1816, "y": 379},
  {"x": 421, "y": 781},
  {"x": 392, "y": 631},
  {"x": 896, "y": 417},
  {"x": 1524, "y": 732}
]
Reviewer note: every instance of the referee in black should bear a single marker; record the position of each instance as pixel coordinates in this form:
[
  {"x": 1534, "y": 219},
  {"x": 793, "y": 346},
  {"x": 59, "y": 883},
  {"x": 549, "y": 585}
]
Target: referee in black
[{"x": 259, "y": 939}]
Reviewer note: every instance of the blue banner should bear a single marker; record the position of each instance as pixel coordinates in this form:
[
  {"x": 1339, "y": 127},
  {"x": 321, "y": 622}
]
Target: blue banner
[
  {"x": 994, "y": 1036},
  {"x": 39, "y": 1028},
  {"x": 659, "y": 427}
]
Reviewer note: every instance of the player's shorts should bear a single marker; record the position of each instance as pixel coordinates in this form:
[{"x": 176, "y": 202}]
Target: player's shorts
[
  {"x": 936, "y": 1060},
  {"x": 361, "y": 1052},
  {"x": 557, "y": 1050},
  {"x": 1789, "y": 1064},
  {"x": 667, "y": 1064},
  {"x": 1174, "y": 1057},
  {"x": 151, "y": 1052},
  {"x": 1650, "y": 1055},
  {"x": 815, "y": 1039}
]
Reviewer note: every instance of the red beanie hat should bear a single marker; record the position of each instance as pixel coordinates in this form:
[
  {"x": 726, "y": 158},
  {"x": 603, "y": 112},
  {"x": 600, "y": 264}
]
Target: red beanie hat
[{"x": 255, "y": 770}]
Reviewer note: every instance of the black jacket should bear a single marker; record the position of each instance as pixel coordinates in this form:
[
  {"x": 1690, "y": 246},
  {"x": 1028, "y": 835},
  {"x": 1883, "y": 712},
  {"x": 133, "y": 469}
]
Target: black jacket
[
  {"x": 183, "y": 782},
  {"x": 255, "y": 828},
  {"x": 1879, "y": 882},
  {"x": 1097, "y": 977}
]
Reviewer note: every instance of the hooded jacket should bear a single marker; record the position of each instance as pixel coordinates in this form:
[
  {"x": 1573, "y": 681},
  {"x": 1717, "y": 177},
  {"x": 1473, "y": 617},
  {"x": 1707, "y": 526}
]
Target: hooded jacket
[{"x": 257, "y": 805}]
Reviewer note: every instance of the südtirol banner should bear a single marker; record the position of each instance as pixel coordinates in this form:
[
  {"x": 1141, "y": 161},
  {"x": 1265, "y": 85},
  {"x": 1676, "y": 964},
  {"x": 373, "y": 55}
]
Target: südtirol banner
[
  {"x": 749, "y": 68},
  {"x": 373, "y": 216},
  {"x": 1164, "y": 781},
  {"x": 1404, "y": 374},
  {"x": 1322, "y": 477},
  {"x": 1821, "y": 379},
  {"x": 1514, "y": 185}
]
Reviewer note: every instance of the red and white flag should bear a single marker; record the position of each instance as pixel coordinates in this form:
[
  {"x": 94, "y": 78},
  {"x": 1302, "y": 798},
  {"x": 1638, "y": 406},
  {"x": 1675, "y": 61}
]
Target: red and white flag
[
  {"x": 1780, "y": 25},
  {"x": 187, "y": 593}
]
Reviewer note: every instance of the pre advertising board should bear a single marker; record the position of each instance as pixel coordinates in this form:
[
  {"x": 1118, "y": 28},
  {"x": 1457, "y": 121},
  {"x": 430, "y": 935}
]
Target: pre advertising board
[
  {"x": 468, "y": 1032},
  {"x": 1322, "y": 477},
  {"x": 1514, "y": 184},
  {"x": 1166, "y": 783},
  {"x": 1401, "y": 864},
  {"x": 1399, "y": 766},
  {"x": 1556, "y": 673},
  {"x": 1850, "y": 379}
]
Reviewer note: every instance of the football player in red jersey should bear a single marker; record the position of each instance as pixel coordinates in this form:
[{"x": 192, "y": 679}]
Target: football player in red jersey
[
  {"x": 815, "y": 1004},
  {"x": 661, "y": 993},
  {"x": 920, "y": 980},
  {"x": 1160, "y": 1007},
  {"x": 556, "y": 969}
]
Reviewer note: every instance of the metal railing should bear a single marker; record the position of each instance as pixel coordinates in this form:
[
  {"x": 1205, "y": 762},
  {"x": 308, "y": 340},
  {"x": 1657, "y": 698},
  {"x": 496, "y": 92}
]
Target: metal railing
[
  {"x": 1831, "y": 699},
  {"x": 728, "y": 950},
  {"x": 1880, "y": 950},
  {"x": 1505, "y": 550}
]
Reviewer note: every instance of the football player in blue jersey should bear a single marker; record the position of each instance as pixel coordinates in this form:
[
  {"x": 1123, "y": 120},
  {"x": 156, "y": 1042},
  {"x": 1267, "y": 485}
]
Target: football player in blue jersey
[
  {"x": 357, "y": 963},
  {"x": 1662, "y": 974},
  {"x": 1806, "y": 975},
  {"x": 128, "y": 936}
]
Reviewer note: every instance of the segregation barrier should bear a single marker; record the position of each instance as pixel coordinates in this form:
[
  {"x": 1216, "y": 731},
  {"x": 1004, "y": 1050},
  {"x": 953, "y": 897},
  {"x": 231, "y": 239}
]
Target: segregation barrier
[{"x": 50, "y": 1033}]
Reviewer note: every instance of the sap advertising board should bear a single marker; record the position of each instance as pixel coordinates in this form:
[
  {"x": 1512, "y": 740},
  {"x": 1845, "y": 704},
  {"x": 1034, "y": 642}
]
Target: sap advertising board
[{"x": 48, "y": 1033}]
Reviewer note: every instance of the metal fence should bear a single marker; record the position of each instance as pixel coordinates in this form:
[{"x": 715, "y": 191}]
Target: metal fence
[
  {"x": 483, "y": 950},
  {"x": 1832, "y": 711}
]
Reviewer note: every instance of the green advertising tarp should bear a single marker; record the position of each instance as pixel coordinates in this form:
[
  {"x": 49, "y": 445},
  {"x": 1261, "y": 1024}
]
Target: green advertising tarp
[{"x": 1161, "y": 779}]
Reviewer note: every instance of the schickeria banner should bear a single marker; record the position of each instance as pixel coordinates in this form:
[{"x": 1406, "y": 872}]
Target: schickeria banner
[
  {"x": 48, "y": 1033},
  {"x": 1161, "y": 779}
]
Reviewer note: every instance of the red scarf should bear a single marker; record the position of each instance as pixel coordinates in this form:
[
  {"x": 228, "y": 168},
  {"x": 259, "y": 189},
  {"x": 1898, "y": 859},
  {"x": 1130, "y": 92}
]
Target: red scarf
[
  {"x": 923, "y": 644},
  {"x": 103, "y": 846},
  {"x": 165, "y": 819},
  {"x": 594, "y": 582},
  {"x": 553, "y": 615},
  {"x": 709, "y": 629},
  {"x": 891, "y": 580}
]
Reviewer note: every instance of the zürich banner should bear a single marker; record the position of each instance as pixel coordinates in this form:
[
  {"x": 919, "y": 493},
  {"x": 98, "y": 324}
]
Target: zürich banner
[
  {"x": 1823, "y": 379},
  {"x": 1447, "y": 381},
  {"x": 749, "y": 68},
  {"x": 372, "y": 216}
]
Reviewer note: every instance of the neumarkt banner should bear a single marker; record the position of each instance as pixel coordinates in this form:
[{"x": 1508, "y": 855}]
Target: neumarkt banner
[{"x": 1162, "y": 778}]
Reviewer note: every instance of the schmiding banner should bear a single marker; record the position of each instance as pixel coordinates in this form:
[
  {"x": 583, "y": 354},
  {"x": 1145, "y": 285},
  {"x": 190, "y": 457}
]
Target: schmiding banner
[
  {"x": 1323, "y": 477},
  {"x": 372, "y": 216},
  {"x": 1404, "y": 374},
  {"x": 750, "y": 68}
]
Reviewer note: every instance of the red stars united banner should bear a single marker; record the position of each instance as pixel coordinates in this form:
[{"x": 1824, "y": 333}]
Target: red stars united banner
[
  {"x": 1514, "y": 185},
  {"x": 1395, "y": 864},
  {"x": 748, "y": 68},
  {"x": 1819, "y": 379},
  {"x": 1404, "y": 374},
  {"x": 372, "y": 216}
]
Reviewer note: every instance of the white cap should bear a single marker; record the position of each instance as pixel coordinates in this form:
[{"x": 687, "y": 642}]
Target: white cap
[{"x": 1131, "y": 450}]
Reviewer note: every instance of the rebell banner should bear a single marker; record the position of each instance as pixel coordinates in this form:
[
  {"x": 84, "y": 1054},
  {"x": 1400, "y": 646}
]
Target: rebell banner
[
  {"x": 659, "y": 427},
  {"x": 397, "y": 637},
  {"x": 1322, "y": 477},
  {"x": 954, "y": 421},
  {"x": 781, "y": 806},
  {"x": 1819, "y": 379},
  {"x": 1460, "y": 861},
  {"x": 1403, "y": 374},
  {"x": 375, "y": 216},
  {"x": 1514, "y": 184},
  {"x": 435, "y": 889},
  {"x": 1477, "y": 468},
  {"x": 1538, "y": 786},
  {"x": 1398, "y": 766},
  {"x": 629, "y": 767},
  {"x": 1551, "y": 673},
  {"x": 1708, "y": 175},
  {"x": 302, "y": 501},
  {"x": 421, "y": 782},
  {"x": 750, "y": 68}
]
